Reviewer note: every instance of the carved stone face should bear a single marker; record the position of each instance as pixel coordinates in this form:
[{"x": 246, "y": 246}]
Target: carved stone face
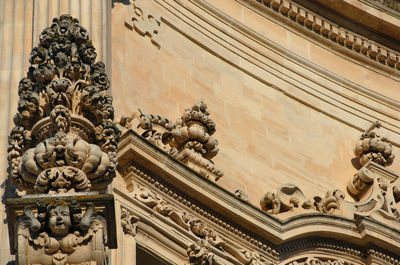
[{"x": 60, "y": 220}]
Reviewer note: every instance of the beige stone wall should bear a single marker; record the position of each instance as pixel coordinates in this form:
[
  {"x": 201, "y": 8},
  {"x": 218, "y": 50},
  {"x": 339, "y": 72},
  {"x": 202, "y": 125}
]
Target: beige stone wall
[
  {"x": 278, "y": 121},
  {"x": 288, "y": 107}
]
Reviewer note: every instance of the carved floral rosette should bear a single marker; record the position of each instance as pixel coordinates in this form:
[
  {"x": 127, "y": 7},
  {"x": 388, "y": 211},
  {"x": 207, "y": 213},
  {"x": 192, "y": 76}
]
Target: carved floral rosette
[
  {"x": 56, "y": 232},
  {"x": 64, "y": 139}
]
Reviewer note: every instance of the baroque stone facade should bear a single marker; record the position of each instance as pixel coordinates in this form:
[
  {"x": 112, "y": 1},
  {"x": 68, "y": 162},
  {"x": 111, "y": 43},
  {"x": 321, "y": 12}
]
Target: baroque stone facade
[{"x": 217, "y": 104}]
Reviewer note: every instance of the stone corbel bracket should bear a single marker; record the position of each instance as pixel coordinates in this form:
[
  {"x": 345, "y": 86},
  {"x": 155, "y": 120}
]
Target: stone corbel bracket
[{"x": 103, "y": 204}]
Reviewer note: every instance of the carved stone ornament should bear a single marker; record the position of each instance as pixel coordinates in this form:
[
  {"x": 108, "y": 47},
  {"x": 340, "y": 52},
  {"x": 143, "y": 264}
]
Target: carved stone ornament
[
  {"x": 198, "y": 253},
  {"x": 57, "y": 233},
  {"x": 128, "y": 222},
  {"x": 373, "y": 147},
  {"x": 64, "y": 139},
  {"x": 189, "y": 140},
  {"x": 143, "y": 23},
  {"x": 381, "y": 203},
  {"x": 319, "y": 261}
]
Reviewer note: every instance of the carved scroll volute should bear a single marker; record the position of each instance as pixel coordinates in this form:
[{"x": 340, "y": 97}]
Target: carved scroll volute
[
  {"x": 360, "y": 183},
  {"x": 64, "y": 139}
]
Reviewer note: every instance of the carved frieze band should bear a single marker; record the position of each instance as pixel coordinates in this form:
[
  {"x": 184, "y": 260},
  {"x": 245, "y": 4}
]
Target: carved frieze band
[
  {"x": 143, "y": 23},
  {"x": 191, "y": 223},
  {"x": 333, "y": 32},
  {"x": 319, "y": 261}
]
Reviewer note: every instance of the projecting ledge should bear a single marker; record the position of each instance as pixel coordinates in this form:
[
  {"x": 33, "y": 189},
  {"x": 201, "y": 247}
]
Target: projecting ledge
[{"x": 139, "y": 159}]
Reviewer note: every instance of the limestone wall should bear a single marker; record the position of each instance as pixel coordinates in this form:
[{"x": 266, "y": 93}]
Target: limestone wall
[{"x": 288, "y": 107}]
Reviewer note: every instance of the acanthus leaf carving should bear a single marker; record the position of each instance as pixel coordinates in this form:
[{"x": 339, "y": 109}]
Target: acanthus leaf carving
[
  {"x": 128, "y": 222},
  {"x": 64, "y": 139},
  {"x": 207, "y": 235},
  {"x": 189, "y": 140}
]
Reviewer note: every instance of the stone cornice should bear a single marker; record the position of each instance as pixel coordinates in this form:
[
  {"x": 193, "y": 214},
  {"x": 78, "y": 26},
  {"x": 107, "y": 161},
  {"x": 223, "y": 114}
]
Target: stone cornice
[
  {"x": 312, "y": 24},
  {"x": 235, "y": 215},
  {"x": 237, "y": 41},
  {"x": 372, "y": 19}
]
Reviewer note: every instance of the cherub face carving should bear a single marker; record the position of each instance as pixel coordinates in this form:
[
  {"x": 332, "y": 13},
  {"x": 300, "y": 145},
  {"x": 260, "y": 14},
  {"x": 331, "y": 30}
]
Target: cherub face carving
[{"x": 60, "y": 220}]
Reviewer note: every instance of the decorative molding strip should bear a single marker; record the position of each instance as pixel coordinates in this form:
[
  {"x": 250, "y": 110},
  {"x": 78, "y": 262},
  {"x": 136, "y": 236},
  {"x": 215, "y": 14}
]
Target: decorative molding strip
[
  {"x": 184, "y": 219},
  {"x": 128, "y": 222},
  {"x": 143, "y": 23},
  {"x": 321, "y": 243},
  {"x": 221, "y": 204},
  {"x": 382, "y": 255},
  {"x": 363, "y": 109},
  {"x": 393, "y": 4},
  {"x": 333, "y": 32}
]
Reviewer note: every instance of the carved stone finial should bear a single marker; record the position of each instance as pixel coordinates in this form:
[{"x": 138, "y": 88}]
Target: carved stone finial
[
  {"x": 373, "y": 147},
  {"x": 189, "y": 140},
  {"x": 64, "y": 138},
  {"x": 196, "y": 132}
]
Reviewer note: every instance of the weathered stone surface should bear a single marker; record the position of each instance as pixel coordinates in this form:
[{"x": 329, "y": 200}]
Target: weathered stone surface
[
  {"x": 189, "y": 140},
  {"x": 60, "y": 234},
  {"x": 64, "y": 139}
]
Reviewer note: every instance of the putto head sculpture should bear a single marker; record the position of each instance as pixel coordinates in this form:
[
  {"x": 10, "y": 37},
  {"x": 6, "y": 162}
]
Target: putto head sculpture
[
  {"x": 60, "y": 234},
  {"x": 64, "y": 139}
]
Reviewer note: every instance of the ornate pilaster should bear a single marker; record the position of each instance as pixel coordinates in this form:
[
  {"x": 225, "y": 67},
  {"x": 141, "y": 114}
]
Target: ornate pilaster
[
  {"x": 129, "y": 223},
  {"x": 62, "y": 153}
]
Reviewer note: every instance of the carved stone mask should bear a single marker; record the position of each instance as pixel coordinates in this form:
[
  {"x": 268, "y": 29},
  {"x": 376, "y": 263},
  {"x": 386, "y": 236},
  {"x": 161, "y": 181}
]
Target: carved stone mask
[{"x": 60, "y": 220}]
